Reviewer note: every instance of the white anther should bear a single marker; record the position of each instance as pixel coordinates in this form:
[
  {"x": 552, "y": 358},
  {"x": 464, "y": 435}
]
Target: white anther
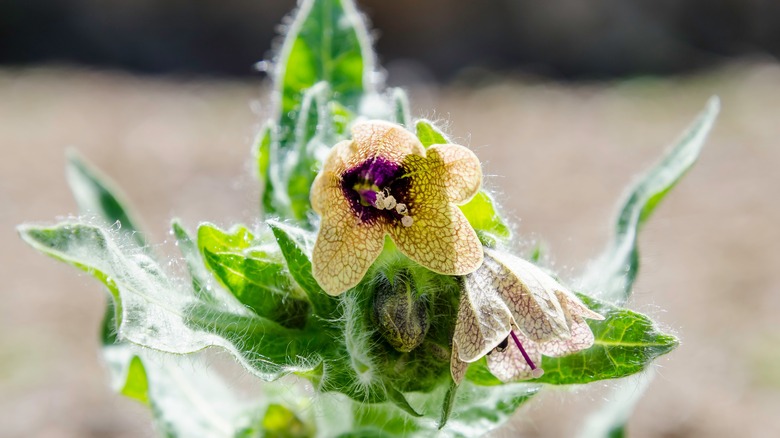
[
  {"x": 380, "y": 200},
  {"x": 536, "y": 373},
  {"x": 407, "y": 221},
  {"x": 401, "y": 208},
  {"x": 390, "y": 202}
]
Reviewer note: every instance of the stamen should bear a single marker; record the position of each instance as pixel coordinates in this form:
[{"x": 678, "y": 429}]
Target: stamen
[
  {"x": 535, "y": 372},
  {"x": 381, "y": 201},
  {"x": 407, "y": 221},
  {"x": 390, "y": 202},
  {"x": 401, "y": 208}
]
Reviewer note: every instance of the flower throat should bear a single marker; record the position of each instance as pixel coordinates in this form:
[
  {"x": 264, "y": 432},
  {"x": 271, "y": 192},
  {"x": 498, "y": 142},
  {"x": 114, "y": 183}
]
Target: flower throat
[{"x": 377, "y": 188}]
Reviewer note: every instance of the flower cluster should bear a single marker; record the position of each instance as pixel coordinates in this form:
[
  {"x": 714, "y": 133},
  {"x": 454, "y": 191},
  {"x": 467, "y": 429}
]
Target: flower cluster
[{"x": 383, "y": 182}]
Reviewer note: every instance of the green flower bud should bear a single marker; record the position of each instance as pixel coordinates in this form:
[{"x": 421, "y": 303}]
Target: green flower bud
[{"x": 400, "y": 314}]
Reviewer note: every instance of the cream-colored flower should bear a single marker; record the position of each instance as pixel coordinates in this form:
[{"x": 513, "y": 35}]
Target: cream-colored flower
[
  {"x": 384, "y": 182},
  {"x": 511, "y": 301}
]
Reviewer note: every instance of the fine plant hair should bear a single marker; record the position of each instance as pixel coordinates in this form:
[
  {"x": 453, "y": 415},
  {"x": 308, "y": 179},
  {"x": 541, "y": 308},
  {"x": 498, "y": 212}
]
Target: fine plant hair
[{"x": 411, "y": 333}]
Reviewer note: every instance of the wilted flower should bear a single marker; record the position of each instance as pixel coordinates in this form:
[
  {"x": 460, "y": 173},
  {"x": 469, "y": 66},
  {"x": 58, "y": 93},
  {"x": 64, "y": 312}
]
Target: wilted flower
[
  {"x": 383, "y": 182},
  {"x": 511, "y": 301}
]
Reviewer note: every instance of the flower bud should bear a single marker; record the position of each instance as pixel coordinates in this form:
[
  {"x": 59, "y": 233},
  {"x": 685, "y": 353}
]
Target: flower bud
[{"x": 400, "y": 314}]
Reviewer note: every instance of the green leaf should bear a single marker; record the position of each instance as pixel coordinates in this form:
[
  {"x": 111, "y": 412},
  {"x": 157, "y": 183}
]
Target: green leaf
[
  {"x": 201, "y": 279},
  {"x": 185, "y": 397},
  {"x": 401, "y": 112},
  {"x": 312, "y": 133},
  {"x": 295, "y": 247},
  {"x": 265, "y": 150},
  {"x": 428, "y": 134},
  {"x": 626, "y": 343},
  {"x": 613, "y": 274},
  {"x": 171, "y": 385},
  {"x": 401, "y": 402},
  {"x": 280, "y": 422},
  {"x": 479, "y": 409},
  {"x": 328, "y": 42},
  {"x": 340, "y": 116},
  {"x": 254, "y": 276},
  {"x": 158, "y": 313},
  {"x": 611, "y": 418},
  {"x": 483, "y": 216},
  {"x": 447, "y": 404},
  {"x": 95, "y": 194},
  {"x": 127, "y": 372}
]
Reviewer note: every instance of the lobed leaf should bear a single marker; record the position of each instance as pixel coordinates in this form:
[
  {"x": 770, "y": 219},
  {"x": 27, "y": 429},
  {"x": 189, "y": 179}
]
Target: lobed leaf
[
  {"x": 625, "y": 343},
  {"x": 95, "y": 195},
  {"x": 157, "y": 313},
  {"x": 614, "y": 272},
  {"x": 185, "y": 397}
]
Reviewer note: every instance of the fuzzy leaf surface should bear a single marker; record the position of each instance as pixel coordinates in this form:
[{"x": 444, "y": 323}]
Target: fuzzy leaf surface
[
  {"x": 155, "y": 312},
  {"x": 327, "y": 42},
  {"x": 296, "y": 249},
  {"x": 95, "y": 195},
  {"x": 626, "y": 343},
  {"x": 185, "y": 397},
  {"x": 256, "y": 276},
  {"x": 314, "y": 133}
]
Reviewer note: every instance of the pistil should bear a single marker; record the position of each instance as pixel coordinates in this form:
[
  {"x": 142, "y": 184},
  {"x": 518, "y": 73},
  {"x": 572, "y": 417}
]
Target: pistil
[
  {"x": 382, "y": 201},
  {"x": 535, "y": 371}
]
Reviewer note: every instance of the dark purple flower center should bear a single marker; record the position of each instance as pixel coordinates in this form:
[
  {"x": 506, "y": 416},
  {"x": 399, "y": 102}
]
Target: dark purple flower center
[{"x": 375, "y": 178}]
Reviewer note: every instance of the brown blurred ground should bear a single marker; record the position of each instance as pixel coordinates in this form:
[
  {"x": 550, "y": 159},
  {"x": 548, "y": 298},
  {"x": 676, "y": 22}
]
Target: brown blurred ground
[{"x": 564, "y": 154}]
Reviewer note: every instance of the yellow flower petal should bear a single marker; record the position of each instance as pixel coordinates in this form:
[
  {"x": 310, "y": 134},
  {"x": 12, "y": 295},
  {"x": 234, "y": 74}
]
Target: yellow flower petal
[
  {"x": 483, "y": 319},
  {"x": 439, "y": 238},
  {"x": 461, "y": 172},
  {"x": 345, "y": 247},
  {"x": 382, "y": 139},
  {"x": 327, "y": 185}
]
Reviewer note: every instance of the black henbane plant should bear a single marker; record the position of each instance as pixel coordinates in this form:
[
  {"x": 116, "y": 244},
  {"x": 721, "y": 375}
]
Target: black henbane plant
[{"x": 381, "y": 273}]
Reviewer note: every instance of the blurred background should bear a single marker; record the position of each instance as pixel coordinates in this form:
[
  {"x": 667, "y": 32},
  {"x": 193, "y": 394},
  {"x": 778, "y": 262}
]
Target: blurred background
[{"x": 564, "y": 100}]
